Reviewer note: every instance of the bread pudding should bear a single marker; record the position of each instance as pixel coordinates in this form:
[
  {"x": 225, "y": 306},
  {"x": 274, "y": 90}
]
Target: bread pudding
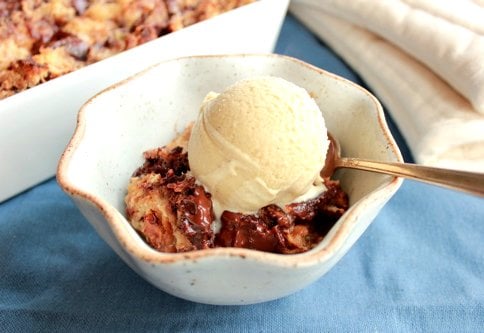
[
  {"x": 173, "y": 212},
  {"x": 44, "y": 39}
]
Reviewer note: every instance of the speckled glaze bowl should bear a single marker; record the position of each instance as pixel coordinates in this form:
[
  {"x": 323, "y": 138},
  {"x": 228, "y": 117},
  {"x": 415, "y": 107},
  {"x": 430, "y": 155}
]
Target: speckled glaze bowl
[{"x": 151, "y": 108}]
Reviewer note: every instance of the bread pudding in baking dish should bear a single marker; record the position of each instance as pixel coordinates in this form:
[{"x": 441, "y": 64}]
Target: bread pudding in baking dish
[{"x": 44, "y": 39}]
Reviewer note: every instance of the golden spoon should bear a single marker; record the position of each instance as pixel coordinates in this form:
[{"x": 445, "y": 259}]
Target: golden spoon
[{"x": 470, "y": 182}]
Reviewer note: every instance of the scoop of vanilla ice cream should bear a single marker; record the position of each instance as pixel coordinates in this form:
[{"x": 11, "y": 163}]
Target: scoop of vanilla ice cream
[{"x": 261, "y": 141}]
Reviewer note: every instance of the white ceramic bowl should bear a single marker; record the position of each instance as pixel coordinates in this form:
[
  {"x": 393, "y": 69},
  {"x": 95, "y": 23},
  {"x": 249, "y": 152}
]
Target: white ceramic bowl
[
  {"x": 149, "y": 109},
  {"x": 36, "y": 124}
]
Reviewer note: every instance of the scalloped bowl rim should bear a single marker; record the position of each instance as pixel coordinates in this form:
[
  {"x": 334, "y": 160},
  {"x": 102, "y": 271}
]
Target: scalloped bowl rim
[{"x": 118, "y": 224}]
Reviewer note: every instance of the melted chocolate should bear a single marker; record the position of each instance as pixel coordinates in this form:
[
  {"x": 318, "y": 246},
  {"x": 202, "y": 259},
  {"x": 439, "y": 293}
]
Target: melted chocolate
[
  {"x": 161, "y": 161},
  {"x": 190, "y": 203},
  {"x": 329, "y": 163},
  {"x": 195, "y": 216},
  {"x": 295, "y": 228}
]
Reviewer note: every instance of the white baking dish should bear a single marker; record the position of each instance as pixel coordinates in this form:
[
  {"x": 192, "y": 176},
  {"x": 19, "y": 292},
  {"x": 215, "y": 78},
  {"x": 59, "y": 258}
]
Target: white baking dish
[{"x": 35, "y": 125}]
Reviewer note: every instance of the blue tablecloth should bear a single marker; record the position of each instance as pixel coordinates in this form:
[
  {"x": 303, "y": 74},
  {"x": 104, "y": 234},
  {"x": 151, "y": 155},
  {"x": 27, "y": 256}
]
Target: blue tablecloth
[{"x": 418, "y": 267}]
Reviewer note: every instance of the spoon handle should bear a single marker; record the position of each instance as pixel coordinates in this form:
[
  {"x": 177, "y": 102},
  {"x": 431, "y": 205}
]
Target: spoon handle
[{"x": 470, "y": 182}]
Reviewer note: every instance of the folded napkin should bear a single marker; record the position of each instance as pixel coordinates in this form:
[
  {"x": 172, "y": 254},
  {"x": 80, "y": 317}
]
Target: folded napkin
[{"x": 424, "y": 60}]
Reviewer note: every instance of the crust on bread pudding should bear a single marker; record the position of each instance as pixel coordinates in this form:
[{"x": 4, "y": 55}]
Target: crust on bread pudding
[{"x": 41, "y": 40}]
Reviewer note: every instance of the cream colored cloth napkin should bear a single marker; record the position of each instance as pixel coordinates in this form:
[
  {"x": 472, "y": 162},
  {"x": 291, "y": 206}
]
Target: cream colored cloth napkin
[{"x": 424, "y": 59}]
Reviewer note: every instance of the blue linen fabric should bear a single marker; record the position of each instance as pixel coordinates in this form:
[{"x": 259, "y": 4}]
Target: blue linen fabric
[{"x": 418, "y": 268}]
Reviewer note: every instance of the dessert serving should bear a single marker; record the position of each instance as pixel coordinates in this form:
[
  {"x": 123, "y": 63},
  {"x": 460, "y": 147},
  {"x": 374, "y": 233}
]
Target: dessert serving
[
  {"x": 246, "y": 174},
  {"x": 41, "y": 40},
  {"x": 156, "y": 108}
]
